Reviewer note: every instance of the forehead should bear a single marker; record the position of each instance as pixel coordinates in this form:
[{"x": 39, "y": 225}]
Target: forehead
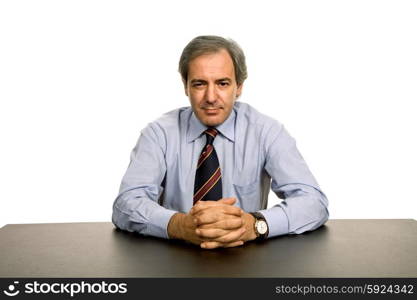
[{"x": 217, "y": 64}]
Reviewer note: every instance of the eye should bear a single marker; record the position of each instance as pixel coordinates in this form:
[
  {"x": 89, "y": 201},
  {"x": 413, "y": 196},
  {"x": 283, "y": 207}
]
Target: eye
[
  {"x": 223, "y": 83},
  {"x": 197, "y": 84}
]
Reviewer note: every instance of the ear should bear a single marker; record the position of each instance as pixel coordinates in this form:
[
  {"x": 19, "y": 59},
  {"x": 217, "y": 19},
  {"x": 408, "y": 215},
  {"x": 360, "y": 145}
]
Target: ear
[{"x": 239, "y": 90}]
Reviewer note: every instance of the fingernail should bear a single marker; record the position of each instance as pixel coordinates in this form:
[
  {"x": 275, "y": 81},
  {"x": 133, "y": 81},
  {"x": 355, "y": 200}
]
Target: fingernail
[
  {"x": 197, "y": 231},
  {"x": 203, "y": 245}
]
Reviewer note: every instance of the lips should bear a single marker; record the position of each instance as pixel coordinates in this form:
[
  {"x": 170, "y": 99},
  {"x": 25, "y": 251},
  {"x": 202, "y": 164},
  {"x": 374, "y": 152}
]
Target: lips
[{"x": 211, "y": 111}]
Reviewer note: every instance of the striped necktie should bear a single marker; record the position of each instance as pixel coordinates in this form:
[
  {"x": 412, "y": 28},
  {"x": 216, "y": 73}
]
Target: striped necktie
[{"x": 208, "y": 182}]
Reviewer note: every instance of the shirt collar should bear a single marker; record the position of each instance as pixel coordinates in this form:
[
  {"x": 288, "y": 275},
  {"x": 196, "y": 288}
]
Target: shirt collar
[{"x": 227, "y": 128}]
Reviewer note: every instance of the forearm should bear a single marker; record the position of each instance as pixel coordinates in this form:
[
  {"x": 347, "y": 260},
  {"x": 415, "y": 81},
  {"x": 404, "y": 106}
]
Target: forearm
[
  {"x": 142, "y": 215},
  {"x": 136, "y": 208},
  {"x": 303, "y": 209}
]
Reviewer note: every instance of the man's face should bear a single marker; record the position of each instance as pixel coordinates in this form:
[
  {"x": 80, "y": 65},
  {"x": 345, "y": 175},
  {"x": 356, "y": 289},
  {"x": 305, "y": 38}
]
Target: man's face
[{"x": 211, "y": 87}]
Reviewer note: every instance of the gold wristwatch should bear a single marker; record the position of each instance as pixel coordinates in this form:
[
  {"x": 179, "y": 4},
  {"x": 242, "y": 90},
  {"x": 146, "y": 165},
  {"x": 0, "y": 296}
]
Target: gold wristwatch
[{"x": 261, "y": 226}]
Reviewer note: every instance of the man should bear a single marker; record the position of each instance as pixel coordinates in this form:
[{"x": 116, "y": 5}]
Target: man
[{"x": 203, "y": 173}]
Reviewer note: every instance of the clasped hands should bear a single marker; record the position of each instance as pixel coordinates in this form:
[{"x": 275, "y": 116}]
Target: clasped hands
[{"x": 213, "y": 224}]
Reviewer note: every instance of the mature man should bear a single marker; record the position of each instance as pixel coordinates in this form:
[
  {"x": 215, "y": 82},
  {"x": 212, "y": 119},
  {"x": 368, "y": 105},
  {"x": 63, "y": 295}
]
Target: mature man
[{"x": 203, "y": 173}]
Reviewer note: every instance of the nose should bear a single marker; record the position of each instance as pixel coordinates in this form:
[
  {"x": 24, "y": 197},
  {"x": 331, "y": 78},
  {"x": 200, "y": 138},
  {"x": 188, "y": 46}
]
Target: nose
[{"x": 211, "y": 93}]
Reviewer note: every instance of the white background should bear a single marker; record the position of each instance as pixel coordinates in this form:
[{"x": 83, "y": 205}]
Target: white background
[{"x": 80, "y": 79}]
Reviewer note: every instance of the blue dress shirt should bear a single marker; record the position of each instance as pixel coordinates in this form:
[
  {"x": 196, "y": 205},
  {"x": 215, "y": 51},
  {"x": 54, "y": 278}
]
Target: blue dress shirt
[{"x": 255, "y": 153}]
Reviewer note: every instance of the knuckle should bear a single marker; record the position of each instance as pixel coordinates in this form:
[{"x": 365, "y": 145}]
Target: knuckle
[
  {"x": 197, "y": 207},
  {"x": 200, "y": 233},
  {"x": 228, "y": 223},
  {"x": 236, "y": 223},
  {"x": 217, "y": 216}
]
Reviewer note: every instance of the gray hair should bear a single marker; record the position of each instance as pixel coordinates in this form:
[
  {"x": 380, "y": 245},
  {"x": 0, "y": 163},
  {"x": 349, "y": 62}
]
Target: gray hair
[{"x": 210, "y": 44}]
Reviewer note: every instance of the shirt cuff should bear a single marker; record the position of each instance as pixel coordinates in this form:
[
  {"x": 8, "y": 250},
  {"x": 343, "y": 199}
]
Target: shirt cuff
[
  {"x": 158, "y": 222},
  {"x": 277, "y": 221}
]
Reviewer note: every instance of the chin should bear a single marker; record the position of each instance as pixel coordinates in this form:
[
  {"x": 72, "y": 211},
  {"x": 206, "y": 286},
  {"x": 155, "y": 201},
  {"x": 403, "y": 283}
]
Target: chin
[{"x": 212, "y": 122}]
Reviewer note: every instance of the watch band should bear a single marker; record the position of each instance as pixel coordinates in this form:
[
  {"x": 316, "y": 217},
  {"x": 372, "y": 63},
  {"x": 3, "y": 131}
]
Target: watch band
[{"x": 258, "y": 216}]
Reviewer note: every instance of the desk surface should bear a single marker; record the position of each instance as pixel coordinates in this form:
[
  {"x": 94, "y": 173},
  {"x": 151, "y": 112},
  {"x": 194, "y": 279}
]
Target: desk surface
[{"x": 341, "y": 248}]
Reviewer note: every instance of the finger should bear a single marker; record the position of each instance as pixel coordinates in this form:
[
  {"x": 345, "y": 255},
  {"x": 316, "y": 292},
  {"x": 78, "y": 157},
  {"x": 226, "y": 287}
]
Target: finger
[
  {"x": 234, "y": 244},
  {"x": 208, "y": 218},
  {"x": 213, "y": 245},
  {"x": 228, "y": 223},
  {"x": 226, "y": 209},
  {"x": 232, "y": 210},
  {"x": 210, "y": 245},
  {"x": 206, "y": 203},
  {"x": 228, "y": 201},
  {"x": 201, "y": 205},
  {"x": 212, "y": 217},
  {"x": 232, "y": 236},
  {"x": 212, "y": 233}
]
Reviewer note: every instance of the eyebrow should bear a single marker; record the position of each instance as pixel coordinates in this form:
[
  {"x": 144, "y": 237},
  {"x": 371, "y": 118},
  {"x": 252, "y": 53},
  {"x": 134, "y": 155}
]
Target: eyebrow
[
  {"x": 197, "y": 80},
  {"x": 218, "y": 80},
  {"x": 224, "y": 79}
]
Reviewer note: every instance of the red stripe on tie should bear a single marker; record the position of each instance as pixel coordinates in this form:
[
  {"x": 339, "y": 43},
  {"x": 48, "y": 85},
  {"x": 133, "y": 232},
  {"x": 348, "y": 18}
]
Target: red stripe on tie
[
  {"x": 204, "y": 155},
  {"x": 212, "y": 132},
  {"x": 210, "y": 183}
]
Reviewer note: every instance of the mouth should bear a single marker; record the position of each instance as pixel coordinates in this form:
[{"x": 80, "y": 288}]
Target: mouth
[{"x": 211, "y": 110}]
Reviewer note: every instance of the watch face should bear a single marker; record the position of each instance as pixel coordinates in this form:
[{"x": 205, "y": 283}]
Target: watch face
[{"x": 262, "y": 227}]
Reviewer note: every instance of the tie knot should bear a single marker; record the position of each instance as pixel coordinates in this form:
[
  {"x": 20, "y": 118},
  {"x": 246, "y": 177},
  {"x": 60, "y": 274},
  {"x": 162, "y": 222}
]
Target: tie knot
[{"x": 210, "y": 134}]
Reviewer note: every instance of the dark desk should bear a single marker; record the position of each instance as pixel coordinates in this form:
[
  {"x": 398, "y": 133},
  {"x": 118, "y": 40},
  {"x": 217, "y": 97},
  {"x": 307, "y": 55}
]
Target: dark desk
[{"x": 341, "y": 248}]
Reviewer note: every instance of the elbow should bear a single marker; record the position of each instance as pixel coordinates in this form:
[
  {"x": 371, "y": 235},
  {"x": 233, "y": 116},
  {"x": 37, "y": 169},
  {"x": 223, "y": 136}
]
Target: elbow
[
  {"x": 321, "y": 211},
  {"x": 126, "y": 215},
  {"x": 319, "y": 216},
  {"x": 325, "y": 215},
  {"x": 119, "y": 218},
  {"x": 324, "y": 209},
  {"x": 322, "y": 216},
  {"x": 116, "y": 217}
]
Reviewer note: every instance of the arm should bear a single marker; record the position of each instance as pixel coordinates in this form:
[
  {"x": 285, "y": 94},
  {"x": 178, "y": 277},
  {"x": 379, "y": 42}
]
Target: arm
[
  {"x": 304, "y": 205},
  {"x": 136, "y": 208}
]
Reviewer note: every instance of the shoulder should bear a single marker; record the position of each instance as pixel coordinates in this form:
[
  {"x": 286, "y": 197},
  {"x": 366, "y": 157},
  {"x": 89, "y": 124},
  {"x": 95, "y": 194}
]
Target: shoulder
[
  {"x": 249, "y": 117},
  {"x": 172, "y": 119},
  {"x": 256, "y": 128},
  {"x": 169, "y": 125}
]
